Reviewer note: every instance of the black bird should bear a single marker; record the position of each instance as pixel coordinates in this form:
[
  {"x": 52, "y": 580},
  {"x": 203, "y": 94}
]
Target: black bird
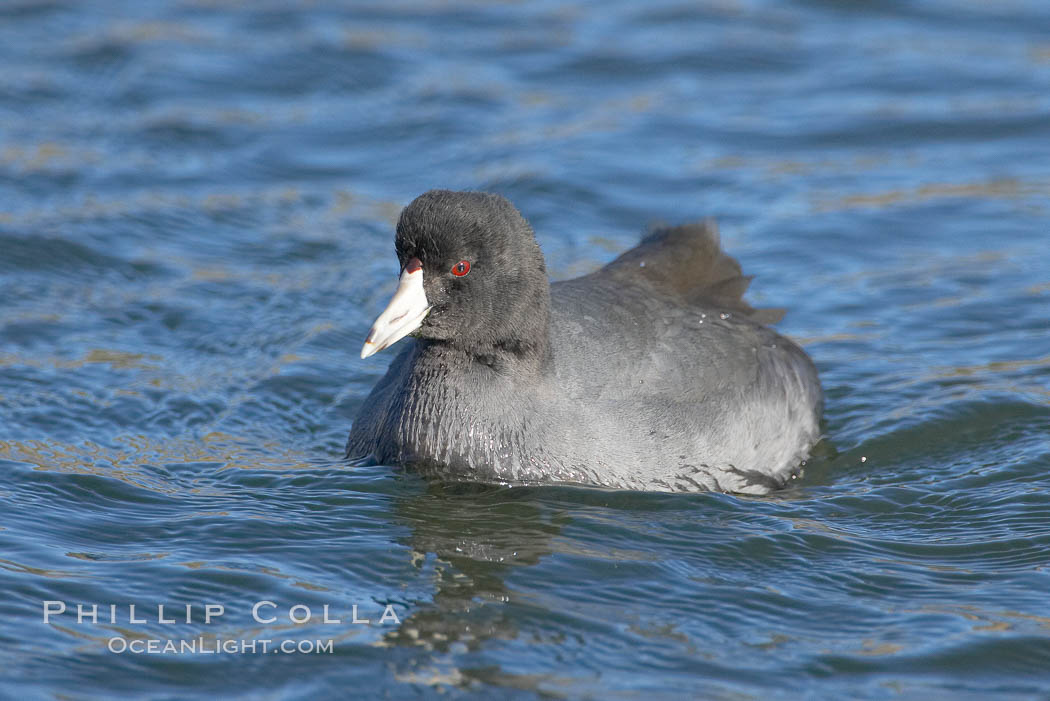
[{"x": 651, "y": 373}]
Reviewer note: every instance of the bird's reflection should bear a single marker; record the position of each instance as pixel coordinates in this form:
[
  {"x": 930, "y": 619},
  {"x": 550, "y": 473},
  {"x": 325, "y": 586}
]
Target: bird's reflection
[{"x": 472, "y": 536}]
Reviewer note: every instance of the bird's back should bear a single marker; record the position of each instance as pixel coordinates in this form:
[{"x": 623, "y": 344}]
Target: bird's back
[{"x": 659, "y": 342}]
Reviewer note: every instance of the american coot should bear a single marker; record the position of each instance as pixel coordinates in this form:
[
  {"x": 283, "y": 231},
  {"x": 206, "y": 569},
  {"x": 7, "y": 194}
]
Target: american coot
[{"x": 650, "y": 373}]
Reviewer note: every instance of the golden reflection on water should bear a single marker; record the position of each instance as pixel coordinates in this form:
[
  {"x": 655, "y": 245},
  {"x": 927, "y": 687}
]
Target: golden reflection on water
[
  {"x": 47, "y": 157},
  {"x": 114, "y": 358},
  {"x": 985, "y": 620},
  {"x": 130, "y": 459},
  {"x": 341, "y": 203},
  {"x": 776, "y": 169},
  {"x": 1040, "y": 53},
  {"x": 128, "y": 33},
  {"x": 124, "y": 557},
  {"x": 270, "y": 571},
  {"x": 1008, "y": 188},
  {"x": 12, "y": 566},
  {"x": 999, "y": 188}
]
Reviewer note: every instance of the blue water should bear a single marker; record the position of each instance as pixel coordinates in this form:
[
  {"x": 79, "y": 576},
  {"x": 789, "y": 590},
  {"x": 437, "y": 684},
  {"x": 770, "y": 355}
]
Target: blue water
[{"x": 196, "y": 230}]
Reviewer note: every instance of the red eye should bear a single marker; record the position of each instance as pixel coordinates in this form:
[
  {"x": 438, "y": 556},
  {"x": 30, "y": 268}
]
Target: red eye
[{"x": 461, "y": 268}]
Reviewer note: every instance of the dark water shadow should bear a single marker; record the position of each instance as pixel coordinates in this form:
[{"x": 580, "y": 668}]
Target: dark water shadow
[{"x": 473, "y": 536}]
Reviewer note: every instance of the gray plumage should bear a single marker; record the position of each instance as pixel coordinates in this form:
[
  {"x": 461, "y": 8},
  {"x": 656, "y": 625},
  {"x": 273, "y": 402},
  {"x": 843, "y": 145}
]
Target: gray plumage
[{"x": 651, "y": 373}]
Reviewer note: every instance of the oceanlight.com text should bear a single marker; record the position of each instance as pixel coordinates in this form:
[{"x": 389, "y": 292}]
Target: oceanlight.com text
[{"x": 214, "y": 646}]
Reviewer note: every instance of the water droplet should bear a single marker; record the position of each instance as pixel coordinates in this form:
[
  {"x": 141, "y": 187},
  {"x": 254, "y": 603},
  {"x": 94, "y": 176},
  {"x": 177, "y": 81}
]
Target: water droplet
[{"x": 863, "y": 458}]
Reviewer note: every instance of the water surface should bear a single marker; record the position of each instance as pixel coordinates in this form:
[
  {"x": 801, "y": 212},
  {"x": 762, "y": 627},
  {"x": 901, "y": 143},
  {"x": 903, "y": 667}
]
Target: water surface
[{"x": 196, "y": 211}]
